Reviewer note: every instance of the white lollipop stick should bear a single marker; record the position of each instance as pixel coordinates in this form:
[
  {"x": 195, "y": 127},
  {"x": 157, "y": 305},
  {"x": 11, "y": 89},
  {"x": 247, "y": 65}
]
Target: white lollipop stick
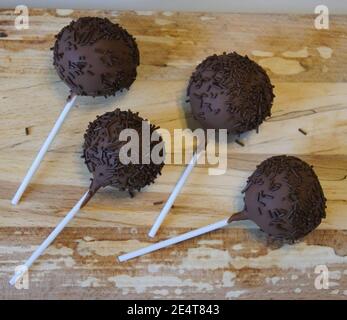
[
  {"x": 43, "y": 150},
  {"x": 38, "y": 252},
  {"x": 169, "y": 242},
  {"x": 175, "y": 192}
]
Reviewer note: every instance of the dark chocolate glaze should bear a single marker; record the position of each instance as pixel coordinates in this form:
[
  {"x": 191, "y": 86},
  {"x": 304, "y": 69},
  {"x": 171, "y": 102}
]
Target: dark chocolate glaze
[
  {"x": 102, "y": 148},
  {"x": 284, "y": 198},
  {"x": 95, "y": 57},
  {"x": 231, "y": 92}
]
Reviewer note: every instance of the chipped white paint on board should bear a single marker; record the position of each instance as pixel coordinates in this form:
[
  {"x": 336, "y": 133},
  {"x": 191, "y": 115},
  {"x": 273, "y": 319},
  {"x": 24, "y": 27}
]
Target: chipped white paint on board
[
  {"x": 336, "y": 291},
  {"x": 107, "y": 248},
  {"x": 325, "y": 52},
  {"x": 141, "y": 284},
  {"x": 153, "y": 268},
  {"x": 16, "y": 249},
  {"x": 260, "y": 53},
  {"x": 89, "y": 282},
  {"x": 297, "y": 290},
  {"x": 294, "y": 277},
  {"x": 333, "y": 283},
  {"x": 282, "y": 66},
  {"x": 272, "y": 280},
  {"x": 54, "y": 264},
  {"x": 302, "y": 53},
  {"x": 167, "y": 13},
  {"x": 297, "y": 256},
  {"x": 237, "y": 247},
  {"x": 125, "y": 292},
  {"x": 163, "y": 22},
  {"x": 64, "y": 12},
  {"x": 335, "y": 275},
  {"x": 61, "y": 251},
  {"x": 228, "y": 279},
  {"x": 87, "y": 238},
  {"x": 162, "y": 292},
  {"x": 210, "y": 242},
  {"x": 179, "y": 291},
  {"x": 52, "y": 250},
  {"x": 144, "y": 13},
  {"x": 207, "y": 18},
  {"x": 205, "y": 257},
  {"x": 234, "y": 294}
]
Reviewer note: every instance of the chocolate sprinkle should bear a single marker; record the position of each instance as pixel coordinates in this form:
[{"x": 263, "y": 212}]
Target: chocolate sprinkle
[
  {"x": 95, "y": 57},
  {"x": 240, "y": 93},
  {"x": 302, "y": 131},
  {"x": 102, "y": 148},
  {"x": 240, "y": 143},
  {"x": 291, "y": 195}
]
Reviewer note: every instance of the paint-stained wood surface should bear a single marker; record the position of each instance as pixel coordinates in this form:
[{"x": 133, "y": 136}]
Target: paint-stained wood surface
[{"x": 308, "y": 68}]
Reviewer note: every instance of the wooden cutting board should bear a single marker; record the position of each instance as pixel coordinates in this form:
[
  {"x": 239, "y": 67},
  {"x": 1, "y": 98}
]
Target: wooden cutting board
[{"x": 309, "y": 70}]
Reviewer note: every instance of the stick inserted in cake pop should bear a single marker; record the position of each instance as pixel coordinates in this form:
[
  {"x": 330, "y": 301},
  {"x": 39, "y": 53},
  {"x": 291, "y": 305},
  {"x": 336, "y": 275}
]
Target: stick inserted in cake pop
[
  {"x": 38, "y": 252},
  {"x": 36, "y": 163},
  {"x": 283, "y": 197},
  {"x": 94, "y": 57},
  {"x": 175, "y": 192},
  {"x": 230, "y": 92},
  {"x": 102, "y": 150},
  {"x": 174, "y": 240}
]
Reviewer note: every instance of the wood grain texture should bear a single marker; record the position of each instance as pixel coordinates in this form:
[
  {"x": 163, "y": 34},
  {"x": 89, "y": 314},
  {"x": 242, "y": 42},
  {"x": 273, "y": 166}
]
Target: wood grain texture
[{"x": 308, "y": 68}]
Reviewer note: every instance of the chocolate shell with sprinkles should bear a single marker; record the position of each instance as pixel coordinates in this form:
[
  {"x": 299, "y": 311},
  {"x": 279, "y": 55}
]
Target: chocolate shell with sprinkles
[
  {"x": 230, "y": 92},
  {"x": 95, "y": 57},
  {"x": 284, "y": 198},
  {"x": 102, "y": 151}
]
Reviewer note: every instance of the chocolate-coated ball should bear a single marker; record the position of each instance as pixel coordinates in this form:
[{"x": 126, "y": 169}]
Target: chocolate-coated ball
[
  {"x": 230, "y": 92},
  {"x": 102, "y": 151},
  {"x": 95, "y": 57},
  {"x": 284, "y": 198}
]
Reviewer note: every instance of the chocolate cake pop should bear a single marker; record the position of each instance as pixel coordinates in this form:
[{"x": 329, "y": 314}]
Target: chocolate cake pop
[
  {"x": 102, "y": 149},
  {"x": 95, "y": 57},
  {"x": 284, "y": 198},
  {"x": 231, "y": 92}
]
